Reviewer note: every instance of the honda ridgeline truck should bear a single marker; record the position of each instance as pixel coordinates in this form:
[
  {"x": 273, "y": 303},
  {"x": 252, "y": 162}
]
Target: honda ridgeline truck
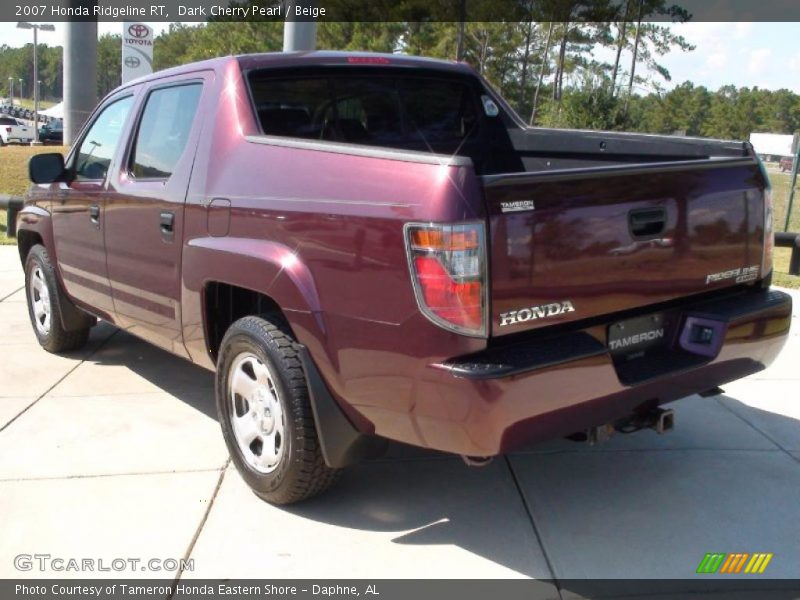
[{"x": 375, "y": 247}]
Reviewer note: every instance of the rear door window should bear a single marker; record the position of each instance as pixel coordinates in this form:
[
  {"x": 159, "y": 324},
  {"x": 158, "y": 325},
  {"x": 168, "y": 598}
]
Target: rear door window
[{"x": 164, "y": 130}]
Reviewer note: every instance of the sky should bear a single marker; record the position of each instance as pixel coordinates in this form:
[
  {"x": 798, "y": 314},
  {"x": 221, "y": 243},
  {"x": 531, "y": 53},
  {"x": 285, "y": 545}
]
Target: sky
[{"x": 766, "y": 55}]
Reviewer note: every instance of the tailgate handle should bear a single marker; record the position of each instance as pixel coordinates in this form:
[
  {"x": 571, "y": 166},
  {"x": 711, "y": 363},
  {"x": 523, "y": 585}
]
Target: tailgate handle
[{"x": 647, "y": 222}]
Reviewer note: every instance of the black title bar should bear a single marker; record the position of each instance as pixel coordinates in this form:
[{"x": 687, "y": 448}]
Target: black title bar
[{"x": 399, "y": 11}]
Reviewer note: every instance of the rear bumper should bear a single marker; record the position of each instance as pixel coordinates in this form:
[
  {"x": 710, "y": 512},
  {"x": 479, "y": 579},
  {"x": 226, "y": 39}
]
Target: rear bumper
[{"x": 502, "y": 398}]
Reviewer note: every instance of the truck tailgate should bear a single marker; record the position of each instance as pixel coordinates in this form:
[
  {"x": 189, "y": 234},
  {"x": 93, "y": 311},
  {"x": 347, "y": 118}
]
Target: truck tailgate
[{"x": 580, "y": 243}]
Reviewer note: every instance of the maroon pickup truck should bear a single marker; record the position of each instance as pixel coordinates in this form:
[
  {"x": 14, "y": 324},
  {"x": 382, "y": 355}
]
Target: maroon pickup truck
[{"x": 369, "y": 247}]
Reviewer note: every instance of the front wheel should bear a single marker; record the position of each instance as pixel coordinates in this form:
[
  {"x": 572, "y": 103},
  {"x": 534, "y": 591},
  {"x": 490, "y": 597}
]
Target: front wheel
[
  {"x": 45, "y": 298},
  {"x": 265, "y": 414}
]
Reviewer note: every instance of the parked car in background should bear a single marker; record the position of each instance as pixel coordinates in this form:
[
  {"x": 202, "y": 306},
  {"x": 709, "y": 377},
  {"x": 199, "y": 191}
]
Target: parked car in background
[
  {"x": 786, "y": 164},
  {"x": 52, "y": 132},
  {"x": 368, "y": 247},
  {"x": 12, "y": 131}
]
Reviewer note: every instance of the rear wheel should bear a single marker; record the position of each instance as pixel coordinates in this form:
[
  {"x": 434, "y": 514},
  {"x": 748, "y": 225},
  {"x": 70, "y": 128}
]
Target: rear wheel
[
  {"x": 265, "y": 414},
  {"x": 44, "y": 297}
]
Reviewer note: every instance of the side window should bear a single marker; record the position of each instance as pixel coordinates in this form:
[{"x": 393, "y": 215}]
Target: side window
[
  {"x": 164, "y": 130},
  {"x": 98, "y": 146}
]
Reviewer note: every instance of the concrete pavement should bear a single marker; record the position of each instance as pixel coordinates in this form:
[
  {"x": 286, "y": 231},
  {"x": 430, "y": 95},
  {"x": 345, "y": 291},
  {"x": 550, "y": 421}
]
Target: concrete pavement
[{"x": 115, "y": 452}]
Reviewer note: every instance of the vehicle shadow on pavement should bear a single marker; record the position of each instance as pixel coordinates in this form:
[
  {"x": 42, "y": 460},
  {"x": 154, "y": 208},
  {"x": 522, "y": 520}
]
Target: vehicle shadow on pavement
[
  {"x": 435, "y": 501},
  {"x": 597, "y": 510},
  {"x": 645, "y": 508},
  {"x": 145, "y": 366}
]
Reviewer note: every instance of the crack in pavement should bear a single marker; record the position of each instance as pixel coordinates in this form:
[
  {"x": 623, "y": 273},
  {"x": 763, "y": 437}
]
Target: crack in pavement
[{"x": 60, "y": 379}]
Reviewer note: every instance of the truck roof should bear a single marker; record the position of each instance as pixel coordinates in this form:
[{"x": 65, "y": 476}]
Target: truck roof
[
  {"x": 330, "y": 57},
  {"x": 310, "y": 58}
]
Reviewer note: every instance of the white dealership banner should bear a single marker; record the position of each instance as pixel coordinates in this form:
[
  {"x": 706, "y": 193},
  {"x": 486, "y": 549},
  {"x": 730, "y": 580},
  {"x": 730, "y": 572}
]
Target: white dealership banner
[{"x": 137, "y": 50}]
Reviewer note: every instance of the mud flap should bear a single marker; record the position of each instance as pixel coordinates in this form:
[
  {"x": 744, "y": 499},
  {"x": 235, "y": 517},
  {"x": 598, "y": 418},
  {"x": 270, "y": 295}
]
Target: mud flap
[
  {"x": 72, "y": 317},
  {"x": 342, "y": 444}
]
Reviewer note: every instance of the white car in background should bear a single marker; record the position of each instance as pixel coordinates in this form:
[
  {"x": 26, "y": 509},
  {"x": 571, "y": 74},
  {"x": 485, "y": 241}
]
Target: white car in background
[{"x": 12, "y": 131}]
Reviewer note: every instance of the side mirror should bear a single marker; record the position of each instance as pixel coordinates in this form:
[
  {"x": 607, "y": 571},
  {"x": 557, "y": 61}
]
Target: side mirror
[{"x": 47, "y": 168}]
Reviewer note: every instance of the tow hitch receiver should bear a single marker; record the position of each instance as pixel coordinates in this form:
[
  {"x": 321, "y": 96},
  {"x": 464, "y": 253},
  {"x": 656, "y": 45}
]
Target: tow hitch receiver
[
  {"x": 659, "y": 419},
  {"x": 664, "y": 420}
]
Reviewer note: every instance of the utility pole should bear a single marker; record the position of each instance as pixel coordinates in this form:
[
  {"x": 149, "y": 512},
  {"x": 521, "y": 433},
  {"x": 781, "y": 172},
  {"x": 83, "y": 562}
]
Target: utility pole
[
  {"x": 462, "y": 16},
  {"x": 11, "y": 89},
  {"x": 299, "y": 35},
  {"x": 36, "y": 27},
  {"x": 80, "y": 72}
]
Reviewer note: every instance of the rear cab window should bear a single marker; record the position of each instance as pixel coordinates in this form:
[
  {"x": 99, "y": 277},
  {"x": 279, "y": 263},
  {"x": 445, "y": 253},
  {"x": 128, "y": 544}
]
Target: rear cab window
[{"x": 423, "y": 112}]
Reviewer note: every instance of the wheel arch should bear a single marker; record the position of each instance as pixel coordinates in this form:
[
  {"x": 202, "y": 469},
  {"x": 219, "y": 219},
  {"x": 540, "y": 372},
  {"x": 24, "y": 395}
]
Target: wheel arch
[
  {"x": 27, "y": 239},
  {"x": 255, "y": 275},
  {"x": 229, "y": 278},
  {"x": 34, "y": 227},
  {"x": 225, "y": 303}
]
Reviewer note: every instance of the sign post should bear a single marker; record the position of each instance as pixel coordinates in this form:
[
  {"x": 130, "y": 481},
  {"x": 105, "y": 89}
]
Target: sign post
[{"x": 137, "y": 51}]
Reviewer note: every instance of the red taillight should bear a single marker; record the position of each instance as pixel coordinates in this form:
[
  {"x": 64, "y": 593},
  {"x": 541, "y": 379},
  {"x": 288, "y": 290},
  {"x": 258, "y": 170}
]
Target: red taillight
[
  {"x": 449, "y": 274},
  {"x": 8, "y": 129},
  {"x": 457, "y": 303}
]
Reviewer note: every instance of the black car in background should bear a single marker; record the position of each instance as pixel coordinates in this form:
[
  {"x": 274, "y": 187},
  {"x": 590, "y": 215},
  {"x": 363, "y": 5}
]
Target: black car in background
[{"x": 52, "y": 132}]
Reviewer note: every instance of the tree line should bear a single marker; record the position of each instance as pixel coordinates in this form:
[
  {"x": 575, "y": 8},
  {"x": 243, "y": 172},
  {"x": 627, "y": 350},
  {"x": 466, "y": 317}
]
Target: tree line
[{"x": 547, "y": 70}]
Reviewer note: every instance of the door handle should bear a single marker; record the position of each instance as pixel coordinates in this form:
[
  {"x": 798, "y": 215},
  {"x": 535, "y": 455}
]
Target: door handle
[
  {"x": 647, "y": 222},
  {"x": 166, "y": 222},
  {"x": 94, "y": 214}
]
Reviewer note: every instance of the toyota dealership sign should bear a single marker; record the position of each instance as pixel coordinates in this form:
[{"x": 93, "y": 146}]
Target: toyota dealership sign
[{"x": 137, "y": 51}]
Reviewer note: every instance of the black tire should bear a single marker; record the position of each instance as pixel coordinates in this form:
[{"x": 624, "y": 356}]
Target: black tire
[
  {"x": 300, "y": 472},
  {"x": 53, "y": 338}
]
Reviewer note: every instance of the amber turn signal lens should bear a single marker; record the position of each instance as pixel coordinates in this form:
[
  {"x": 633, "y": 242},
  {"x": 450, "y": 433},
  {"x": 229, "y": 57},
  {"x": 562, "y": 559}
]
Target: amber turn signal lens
[
  {"x": 438, "y": 239},
  {"x": 448, "y": 269}
]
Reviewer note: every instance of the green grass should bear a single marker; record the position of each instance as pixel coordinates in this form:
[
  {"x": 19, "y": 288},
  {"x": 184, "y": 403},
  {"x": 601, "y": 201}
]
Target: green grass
[
  {"x": 14, "y": 182},
  {"x": 4, "y": 239},
  {"x": 14, "y": 176},
  {"x": 780, "y": 196},
  {"x": 781, "y": 276}
]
